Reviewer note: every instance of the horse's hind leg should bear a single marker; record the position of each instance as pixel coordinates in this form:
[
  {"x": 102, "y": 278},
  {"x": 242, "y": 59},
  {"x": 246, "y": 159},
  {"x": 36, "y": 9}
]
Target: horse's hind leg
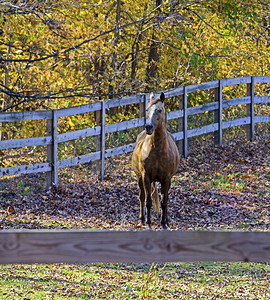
[{"x": 142, "y": 200}]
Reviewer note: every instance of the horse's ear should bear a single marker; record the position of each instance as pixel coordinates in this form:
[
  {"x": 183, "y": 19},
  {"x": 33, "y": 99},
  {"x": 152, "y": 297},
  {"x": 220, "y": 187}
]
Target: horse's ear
[
  {"x": 152, "y": 96},
  {"x": 162, "y": 97}
]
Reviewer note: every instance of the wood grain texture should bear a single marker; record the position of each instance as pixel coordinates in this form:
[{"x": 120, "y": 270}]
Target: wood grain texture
[
  {"x": 261, "y": 99},
  {"x": 202, "y": 130},
  {"x": 261, "y": 79},
  {"x": 203, "y": 86},
  {"x": 261, "y": 119},
  {"x": 25, "y": 169},
  {"x": 78, "y": 134},
  {"x": 25, "y": 116},
  {"x": 124, "y": 101},
  {"x": 236, "y": 101},
  {"x": 175, "y": 114},
  {"x": 28, "y": 142},
  {"x": 235, "y": 81},
  {"x": 236, "y": 122},
  {"x": 81, "y": 109},
  {"x": 124, "y": 125},
  {"x": 78, "y": 160},
  {"x": 119, "y": 150},
  {"x": 82, "y": 246}
]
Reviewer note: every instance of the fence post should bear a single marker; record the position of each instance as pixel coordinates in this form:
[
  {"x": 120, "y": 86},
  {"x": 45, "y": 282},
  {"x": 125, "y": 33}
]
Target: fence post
[
  {"x": 250, "y": 111},
  {"x": 180, "y": 143},
  {"x": 102, "y": 141},
  {"x": 98, "y": 139},
  {"x": 52, "y": 176},
  {"x": 185, "y": 123},
  {"x": 142, "y": 108},
  {"x": 218, "y": 114}
]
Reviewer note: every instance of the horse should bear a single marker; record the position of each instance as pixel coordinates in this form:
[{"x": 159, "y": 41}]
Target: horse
[{"x": 155, "y": 159}]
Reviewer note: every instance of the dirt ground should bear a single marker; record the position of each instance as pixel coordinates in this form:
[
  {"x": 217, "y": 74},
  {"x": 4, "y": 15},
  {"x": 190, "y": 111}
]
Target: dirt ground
[{"x": 216, "y": 188}]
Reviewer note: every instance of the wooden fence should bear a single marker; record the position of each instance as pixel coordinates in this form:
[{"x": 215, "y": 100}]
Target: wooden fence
[
  {"x": 53, "y": 138},
  {"x": 85, "y": 246}
]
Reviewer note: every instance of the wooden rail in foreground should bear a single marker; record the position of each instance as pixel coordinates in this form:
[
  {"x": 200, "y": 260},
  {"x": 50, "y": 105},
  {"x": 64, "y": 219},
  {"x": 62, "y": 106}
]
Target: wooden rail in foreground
[
  {"x": 53, "y": 138},
  {"x": 86, "y": 246}
]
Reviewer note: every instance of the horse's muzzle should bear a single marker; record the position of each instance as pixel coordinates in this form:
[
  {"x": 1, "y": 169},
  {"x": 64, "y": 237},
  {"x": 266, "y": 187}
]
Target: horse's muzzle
[{"x": 149, "y": 128}]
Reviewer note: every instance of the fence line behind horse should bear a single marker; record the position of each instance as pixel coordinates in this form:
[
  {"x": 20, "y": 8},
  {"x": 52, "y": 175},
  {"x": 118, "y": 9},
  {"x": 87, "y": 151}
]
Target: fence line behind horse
[{"x": 100, "y": 131}]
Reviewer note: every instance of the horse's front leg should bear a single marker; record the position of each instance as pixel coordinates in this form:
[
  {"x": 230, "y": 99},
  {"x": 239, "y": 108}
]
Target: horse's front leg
[
  {"x": 164, "y": 203},
  {"x": 142, "y": 200},
  {"x": 147, "y": 191}
]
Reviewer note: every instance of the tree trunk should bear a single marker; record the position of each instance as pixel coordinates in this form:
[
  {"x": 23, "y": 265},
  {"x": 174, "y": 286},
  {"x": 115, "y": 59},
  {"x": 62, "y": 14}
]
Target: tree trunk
[
  {"x": 153, "y": 59},
  {"x": 5, "y": 96},
  {"x": 153, "y": 56}
]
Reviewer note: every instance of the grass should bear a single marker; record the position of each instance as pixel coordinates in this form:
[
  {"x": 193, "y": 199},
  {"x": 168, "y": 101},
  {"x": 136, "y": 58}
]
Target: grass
[{"x": 140, "y": 281}]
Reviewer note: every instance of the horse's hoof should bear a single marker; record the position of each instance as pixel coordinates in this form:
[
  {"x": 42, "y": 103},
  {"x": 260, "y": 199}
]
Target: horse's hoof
[
  {"x": 149, "y": 227},
  {"x": 164, "y": 227}
]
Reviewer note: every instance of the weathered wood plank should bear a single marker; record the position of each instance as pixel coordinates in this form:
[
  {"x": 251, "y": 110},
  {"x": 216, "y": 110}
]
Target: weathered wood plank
[
  {"x": 236, "y": 122},
  {"x": 185, "y": 125},
  {"x": 142, "y": 112},
  {"x": 170, "y": 93},
  {"x": 54, "y": 155},
  {"x": 98, "y": 139},
  {"x": 175, "y": 114},
  {"x": 102, "y": 150},
  {"x": 174, "y": 92},
  {"x": 25, "y": 169},
  {"x": 235, "y": 81},
  {"x": 236, "y": 101},
  {"x": 202, "y": 108},
  {"x": 124, "y": 125},
  {"x": 178, "y": 136},
  {"x": 261, "y": 99},
  {"x": 74, "y": 161},
  {"x": 214, "y": 105},
  {"x": 82, "y": 246},
  {"x": 250, "y": 110},
  {"x": 49, "y": 175},
  {"x": 261, "y": 79},
  {"x": 28, "y": 142},
  {"x": 121, "y": 101},
  {"x": 80, "y": 109},
  {"x": 25, "y": 116},
  {"x": 78, "y": 134},
  {"x": 261, "y": 119},
  {"x": 218, "y": 115},
  {"x": 202, "y": 86},
  {"x": 119, "y": 150},
  {"x": 202, "y": 130}
]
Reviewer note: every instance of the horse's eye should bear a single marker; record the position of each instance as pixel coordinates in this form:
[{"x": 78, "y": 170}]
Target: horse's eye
[{"x": 160, "y": 110}]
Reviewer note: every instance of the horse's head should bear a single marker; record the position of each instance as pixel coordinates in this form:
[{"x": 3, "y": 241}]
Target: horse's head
[{"x": 155, "y": 112}]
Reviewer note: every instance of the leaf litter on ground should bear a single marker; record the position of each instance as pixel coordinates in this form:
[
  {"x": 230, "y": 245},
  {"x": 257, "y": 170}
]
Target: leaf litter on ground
[
  {"x": 216, "y": 188},
  {"x": 224, "y": 187}
]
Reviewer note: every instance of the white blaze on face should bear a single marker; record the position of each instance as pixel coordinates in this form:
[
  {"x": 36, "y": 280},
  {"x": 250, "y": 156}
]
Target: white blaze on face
[{"x": 151, "y": 114}]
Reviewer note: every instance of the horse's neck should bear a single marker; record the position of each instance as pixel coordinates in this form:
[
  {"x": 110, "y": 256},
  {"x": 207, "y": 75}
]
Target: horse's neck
[{"x": 159, "y": 136}]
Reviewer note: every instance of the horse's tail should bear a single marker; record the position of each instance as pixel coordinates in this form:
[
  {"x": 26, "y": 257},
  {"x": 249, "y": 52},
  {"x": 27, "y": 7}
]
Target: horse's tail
[{"x": 155, "y": 197}]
